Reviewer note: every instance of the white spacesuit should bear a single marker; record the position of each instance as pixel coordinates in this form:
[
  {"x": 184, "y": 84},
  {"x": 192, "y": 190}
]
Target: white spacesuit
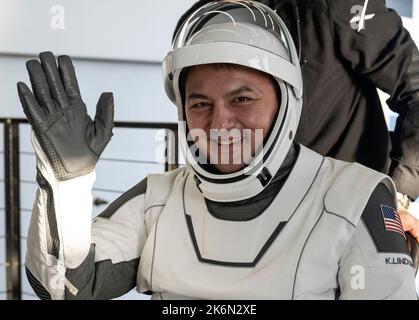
[{"x": 290, "y": 225}]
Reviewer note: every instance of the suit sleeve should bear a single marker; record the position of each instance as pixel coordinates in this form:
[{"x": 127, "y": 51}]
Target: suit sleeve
[
  {"x": 372, "y": 42},
  {"x": 68, "y": 256},
  {"x": 376, "y": 263}
]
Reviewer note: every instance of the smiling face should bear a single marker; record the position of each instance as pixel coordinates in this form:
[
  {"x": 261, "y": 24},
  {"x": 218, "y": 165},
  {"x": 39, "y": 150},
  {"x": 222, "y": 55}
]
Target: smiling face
[{"x": 231, "y": 109}]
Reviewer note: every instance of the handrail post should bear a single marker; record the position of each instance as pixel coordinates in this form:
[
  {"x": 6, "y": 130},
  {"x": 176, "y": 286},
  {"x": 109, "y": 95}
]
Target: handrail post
[
  {"x": 172, "y": 150},
  {"x": 12, "y": 205}
]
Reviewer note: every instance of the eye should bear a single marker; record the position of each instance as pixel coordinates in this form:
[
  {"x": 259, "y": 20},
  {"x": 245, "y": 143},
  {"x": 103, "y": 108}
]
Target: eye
[
  {"x": 200, "y": 105},
  {"x": 242, "y": 100}
]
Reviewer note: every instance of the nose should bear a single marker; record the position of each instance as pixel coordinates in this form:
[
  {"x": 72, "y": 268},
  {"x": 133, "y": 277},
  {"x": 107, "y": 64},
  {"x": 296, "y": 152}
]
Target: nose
[{"x": 223, "y": 117}]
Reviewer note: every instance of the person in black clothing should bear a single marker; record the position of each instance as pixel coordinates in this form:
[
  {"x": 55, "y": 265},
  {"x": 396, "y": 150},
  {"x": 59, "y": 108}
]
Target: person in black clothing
[{"x": 347, "y": 49}]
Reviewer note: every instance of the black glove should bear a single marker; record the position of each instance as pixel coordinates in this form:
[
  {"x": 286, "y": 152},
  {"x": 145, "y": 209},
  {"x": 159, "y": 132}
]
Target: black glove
[{"x": 70, "y": 139}]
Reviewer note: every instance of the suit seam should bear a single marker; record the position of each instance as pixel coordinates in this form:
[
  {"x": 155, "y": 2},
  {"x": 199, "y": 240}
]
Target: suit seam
[
  {"x": 153, "y": 206},
  {"x": 301, "y": 254},
  {"x": 340, "y": 216},
  {"x": 153, "y": 256}
]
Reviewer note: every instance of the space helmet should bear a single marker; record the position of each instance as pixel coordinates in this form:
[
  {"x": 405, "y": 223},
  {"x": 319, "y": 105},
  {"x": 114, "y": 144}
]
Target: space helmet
[{"x": 250, "y": 34}]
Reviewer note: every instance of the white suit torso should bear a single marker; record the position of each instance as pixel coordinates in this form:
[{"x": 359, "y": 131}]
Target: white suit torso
[{"x": 290, "y": 251}]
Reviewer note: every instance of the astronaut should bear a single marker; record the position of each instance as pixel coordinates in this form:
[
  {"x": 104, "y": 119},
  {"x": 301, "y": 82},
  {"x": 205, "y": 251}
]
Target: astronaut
[{"x": 278, "y": 221}]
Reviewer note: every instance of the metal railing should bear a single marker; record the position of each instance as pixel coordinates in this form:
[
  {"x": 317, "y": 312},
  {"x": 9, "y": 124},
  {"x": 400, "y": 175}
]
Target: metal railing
[{"x": 12, "y": 190}]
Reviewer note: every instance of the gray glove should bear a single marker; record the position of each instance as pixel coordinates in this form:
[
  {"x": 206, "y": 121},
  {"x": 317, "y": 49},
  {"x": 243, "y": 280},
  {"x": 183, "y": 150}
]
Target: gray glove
[{"x": 70, "y": 139}]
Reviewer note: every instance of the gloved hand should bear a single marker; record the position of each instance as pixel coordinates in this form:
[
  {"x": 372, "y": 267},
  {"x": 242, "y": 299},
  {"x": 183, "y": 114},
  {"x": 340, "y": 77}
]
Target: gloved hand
[{"x": 67, "y": 135}]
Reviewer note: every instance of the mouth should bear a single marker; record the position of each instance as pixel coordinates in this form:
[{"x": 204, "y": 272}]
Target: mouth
[{"x": 229, "y": 141}]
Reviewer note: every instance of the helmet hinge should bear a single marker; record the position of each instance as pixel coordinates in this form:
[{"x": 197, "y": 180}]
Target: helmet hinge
[{"x": 264, "y": 176}]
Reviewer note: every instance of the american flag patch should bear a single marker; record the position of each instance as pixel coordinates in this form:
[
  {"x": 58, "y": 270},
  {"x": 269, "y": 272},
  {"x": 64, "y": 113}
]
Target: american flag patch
[{"x": 392, "y": 220}]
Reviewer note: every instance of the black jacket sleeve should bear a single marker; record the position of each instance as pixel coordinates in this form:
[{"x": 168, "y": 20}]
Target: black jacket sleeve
[{"x": 372, "y": 42}]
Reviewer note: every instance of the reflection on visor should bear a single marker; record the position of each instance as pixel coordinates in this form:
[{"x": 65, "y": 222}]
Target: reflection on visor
[{"x": 233, "y": 12}]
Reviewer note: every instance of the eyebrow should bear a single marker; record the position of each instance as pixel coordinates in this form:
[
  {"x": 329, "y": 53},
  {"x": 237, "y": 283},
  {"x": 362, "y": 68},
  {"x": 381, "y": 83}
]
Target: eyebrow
[
  {"x": 231, "y": 93},
  {"x": 239, "y": 90},
  {"x": 196, "y": 96}
]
